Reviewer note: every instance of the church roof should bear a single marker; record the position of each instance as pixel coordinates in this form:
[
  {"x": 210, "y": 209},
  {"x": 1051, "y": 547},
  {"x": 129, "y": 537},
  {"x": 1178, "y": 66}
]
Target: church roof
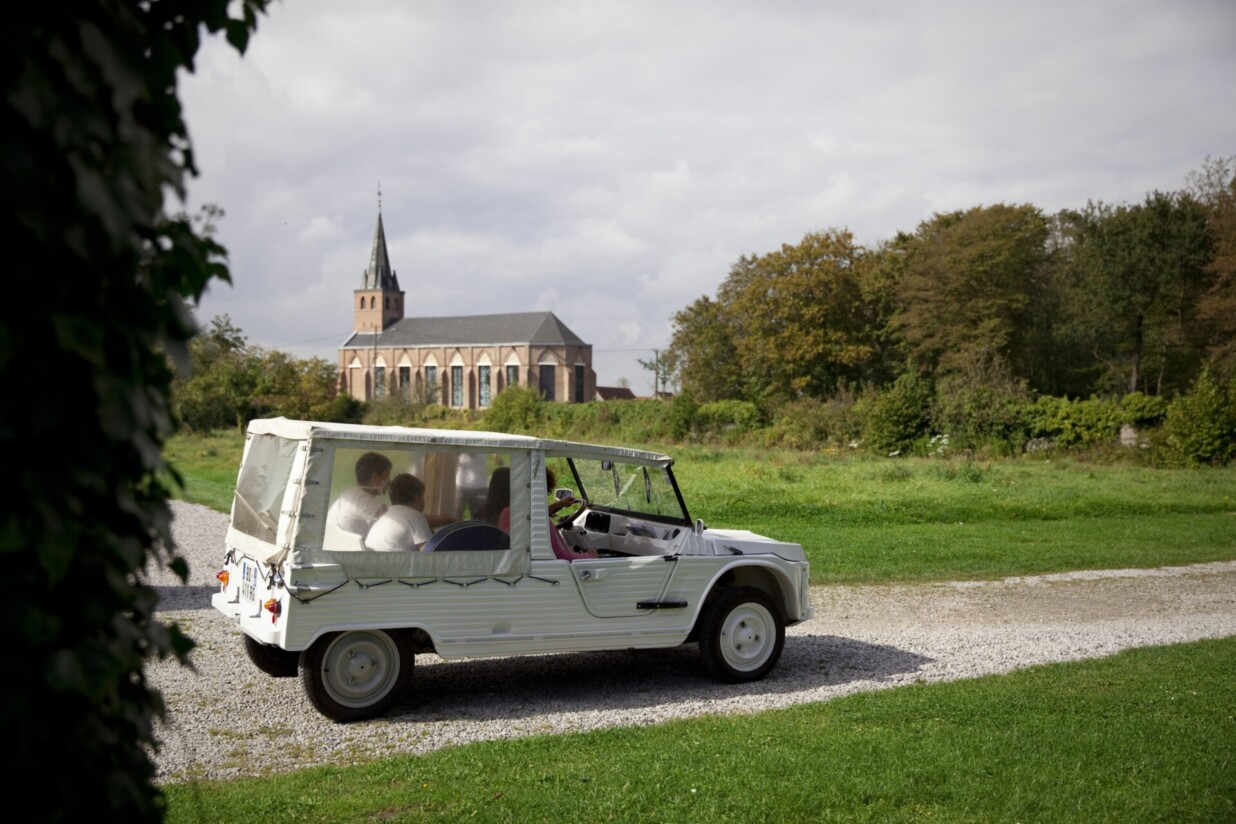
[
  {"x": 542, "y": 328},
  {"x": 379, "y": 275}
]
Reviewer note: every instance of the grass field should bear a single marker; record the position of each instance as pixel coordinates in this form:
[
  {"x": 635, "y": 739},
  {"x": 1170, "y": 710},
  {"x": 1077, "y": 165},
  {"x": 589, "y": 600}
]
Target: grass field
[
  {"x": 1147, "y": 735},
  {"x": 914, "y": 519}
]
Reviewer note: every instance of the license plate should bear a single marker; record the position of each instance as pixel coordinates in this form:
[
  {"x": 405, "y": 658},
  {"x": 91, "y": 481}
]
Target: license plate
[{"x": 248, "y": 580}]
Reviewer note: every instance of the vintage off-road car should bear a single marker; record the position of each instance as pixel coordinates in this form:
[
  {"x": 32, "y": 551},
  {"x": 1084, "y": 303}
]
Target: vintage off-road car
[{"x": 312, "y": 597}]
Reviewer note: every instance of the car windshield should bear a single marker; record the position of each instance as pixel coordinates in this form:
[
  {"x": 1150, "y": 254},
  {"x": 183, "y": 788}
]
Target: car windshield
[{"x": 633, "y": 488}]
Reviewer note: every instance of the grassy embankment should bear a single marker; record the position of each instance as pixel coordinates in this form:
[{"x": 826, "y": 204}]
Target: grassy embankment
[{"x": 876, "y": 519}]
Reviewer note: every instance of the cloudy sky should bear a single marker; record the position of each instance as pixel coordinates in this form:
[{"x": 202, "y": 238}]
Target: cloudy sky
[{"x": 609, "y": 161}]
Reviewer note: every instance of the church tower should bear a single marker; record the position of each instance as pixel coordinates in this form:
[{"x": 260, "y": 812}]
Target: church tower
[{"x": 379, "y": 301}]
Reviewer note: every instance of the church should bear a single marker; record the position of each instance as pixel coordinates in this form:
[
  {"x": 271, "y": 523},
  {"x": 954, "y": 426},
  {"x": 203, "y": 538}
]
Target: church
[{"x": 460, "y": 362}]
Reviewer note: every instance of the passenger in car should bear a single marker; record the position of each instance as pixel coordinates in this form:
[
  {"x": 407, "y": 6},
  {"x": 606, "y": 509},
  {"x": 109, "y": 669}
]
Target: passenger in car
[
  {"x": 498, "y": 497},
  {"x": 403, "y": 526},
  {"x": 360, "y": 506},
  {"x": 556, "y": 542}
]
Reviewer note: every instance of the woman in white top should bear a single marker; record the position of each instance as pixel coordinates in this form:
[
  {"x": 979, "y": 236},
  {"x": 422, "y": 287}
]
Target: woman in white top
[{"x": 403, "y": 526}]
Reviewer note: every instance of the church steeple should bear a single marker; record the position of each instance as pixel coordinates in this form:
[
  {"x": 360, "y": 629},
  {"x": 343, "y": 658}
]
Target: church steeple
[
  {"x": 379, "y": 301},
  {"x": 379, "y": 275}
]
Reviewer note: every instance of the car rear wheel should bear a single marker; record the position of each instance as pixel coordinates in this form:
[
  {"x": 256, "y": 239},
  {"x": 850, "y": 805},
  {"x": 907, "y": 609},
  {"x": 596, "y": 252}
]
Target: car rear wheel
[
  {"x": 274, "y": 661},
  {"x": 350, "y": 676},
  {"x": 741, "y": 635}
]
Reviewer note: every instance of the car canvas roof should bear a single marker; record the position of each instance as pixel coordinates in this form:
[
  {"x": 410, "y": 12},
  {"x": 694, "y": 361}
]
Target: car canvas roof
[{"x": 313, "y": 430}]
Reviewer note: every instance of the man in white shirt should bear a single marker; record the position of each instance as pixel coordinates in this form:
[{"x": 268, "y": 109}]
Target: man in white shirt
[
  {"x": 359, "y": 507},
  {"x": 403, "y": 526}
]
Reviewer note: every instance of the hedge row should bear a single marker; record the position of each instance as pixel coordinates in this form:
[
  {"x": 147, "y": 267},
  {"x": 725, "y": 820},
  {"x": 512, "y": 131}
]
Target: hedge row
[{"x": 911, "y": 416}]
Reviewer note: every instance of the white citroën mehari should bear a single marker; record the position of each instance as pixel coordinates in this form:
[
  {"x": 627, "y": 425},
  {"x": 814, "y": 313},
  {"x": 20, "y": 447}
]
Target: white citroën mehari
[{"x": 312, "y": 598}]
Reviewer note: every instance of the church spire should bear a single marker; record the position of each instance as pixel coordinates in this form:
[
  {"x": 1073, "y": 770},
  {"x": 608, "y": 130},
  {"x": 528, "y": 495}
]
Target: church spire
[{"x": 379, "y": 275}]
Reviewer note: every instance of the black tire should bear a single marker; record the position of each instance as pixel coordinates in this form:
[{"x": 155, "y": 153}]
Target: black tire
[
  {"x": 358, "y": 674},
  {"x": 274, "y": 661},
  {"x": 741, "y": 635}
]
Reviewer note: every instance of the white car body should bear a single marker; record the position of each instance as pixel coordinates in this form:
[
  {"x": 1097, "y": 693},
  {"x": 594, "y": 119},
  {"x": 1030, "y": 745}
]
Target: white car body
[{"x": 312, "y": 599}]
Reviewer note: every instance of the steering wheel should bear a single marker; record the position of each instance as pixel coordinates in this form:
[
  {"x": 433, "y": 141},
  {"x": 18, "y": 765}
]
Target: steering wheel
[{"x": 563, "y": 521}]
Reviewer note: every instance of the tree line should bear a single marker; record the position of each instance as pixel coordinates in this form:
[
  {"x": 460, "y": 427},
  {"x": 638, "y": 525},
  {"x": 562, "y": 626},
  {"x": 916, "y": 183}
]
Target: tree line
[{"x": 994, "y": 304}]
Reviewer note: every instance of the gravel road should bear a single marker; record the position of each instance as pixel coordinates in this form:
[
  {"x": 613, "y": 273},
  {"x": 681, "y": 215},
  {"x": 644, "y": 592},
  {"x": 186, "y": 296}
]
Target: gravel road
[{"x": 227, "y": 719}]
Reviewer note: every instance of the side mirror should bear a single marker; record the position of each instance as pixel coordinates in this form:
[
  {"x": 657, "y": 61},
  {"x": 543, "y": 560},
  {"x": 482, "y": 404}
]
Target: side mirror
[
  {"x": 699, "y": 526},
  {"x": 562, "y": 494}
]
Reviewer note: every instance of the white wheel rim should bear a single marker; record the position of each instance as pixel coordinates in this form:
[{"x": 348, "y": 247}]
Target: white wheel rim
[
  {"x": 748, "y": 636},
  {"x": 360, "y": 668}
]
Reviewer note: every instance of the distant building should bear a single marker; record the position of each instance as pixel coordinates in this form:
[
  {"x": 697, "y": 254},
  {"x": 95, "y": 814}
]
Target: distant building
[
  {"x": 615, "y": 393},
  {"x": 460, "y": 362}
]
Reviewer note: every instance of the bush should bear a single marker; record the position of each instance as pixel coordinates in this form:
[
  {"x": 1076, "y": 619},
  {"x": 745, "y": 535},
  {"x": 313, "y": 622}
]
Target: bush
[
  {"x": 896, "y": 417},
  {"x": 981, "y": 414},
  {"x": 809, "y": 423},
  {"x": 517, "y": 410},
  {"x": 728, "y": 420},
  {"x": 1143, "y": 410},
  {"x": 1080, "y": 423},
  {"x": 1200, "y": 426}
]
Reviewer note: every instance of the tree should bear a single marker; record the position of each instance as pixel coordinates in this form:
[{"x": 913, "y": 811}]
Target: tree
[
  {"x": 968, "y": 284},
  {"x": 702, "y": 355},
  {"x": 1214, "y": 186},
  {"x": 92, "y": 136},
  {"x": 1142, "y": 270}
]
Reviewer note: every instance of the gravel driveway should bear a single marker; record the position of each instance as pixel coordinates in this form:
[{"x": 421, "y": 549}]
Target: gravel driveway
[{"x": 227, "y": 719}]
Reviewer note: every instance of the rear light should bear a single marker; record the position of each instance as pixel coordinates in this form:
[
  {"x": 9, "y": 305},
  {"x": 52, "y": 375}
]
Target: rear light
[
  {"x": 222, "y": 576},
  {"x": 274, "y": 608}
]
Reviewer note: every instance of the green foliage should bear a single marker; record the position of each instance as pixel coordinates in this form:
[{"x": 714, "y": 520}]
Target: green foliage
[
  {"x": 229, "y": 383},
  {"x": 1075, "y": 423},
  {"x": 982, "y": 405},
  {"x": 808, "y": 423},
  {"x": 1142, "y": 410},
  {"x": 518, "y": 410},
  {"x": 681, "y": 415},
  {"x": 793, "y": 322},
  {"x": 895, "y": 418},
  {"x": 968, "y": 284},
  {"x": 93, "y": 137},
  {"x": 1141, "y": 271},
  {"x": 1201, "y": 425},
  {"x": 727, "y": 419}
]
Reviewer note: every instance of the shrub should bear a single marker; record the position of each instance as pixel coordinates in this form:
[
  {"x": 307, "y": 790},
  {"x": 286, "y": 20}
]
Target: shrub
[
  {"x": 517, "y": 410},
  {"x": 1143, "y": 410},
  {"x": 809, "y": 423},
  {"x": 1074, "y": 423},
  {"x": 1200, "y": 426},
  {"x": 978, "y": 414},
  {"x": 896, "y": 417},
  {"x": 727, "y": 419}
]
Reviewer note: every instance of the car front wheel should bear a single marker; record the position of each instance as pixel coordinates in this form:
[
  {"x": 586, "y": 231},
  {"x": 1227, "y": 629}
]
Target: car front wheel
[
  {"x": 741, "y": 635},
  {"x": 350, "y": 676}
]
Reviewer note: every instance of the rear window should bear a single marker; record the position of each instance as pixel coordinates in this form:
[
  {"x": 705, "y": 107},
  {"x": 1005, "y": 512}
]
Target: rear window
[{"x": 261, "y": 486}]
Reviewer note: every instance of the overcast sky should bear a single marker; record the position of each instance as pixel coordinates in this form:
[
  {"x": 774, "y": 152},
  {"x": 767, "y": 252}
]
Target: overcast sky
[{"x": 609, "y": 161}]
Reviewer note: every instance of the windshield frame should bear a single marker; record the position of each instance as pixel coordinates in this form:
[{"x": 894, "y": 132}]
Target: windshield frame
[{"x": 667, "y": 468}]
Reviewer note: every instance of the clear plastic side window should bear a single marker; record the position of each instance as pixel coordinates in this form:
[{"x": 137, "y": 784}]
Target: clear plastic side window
[
  {"x": 262, "y": 483},
  {"x": 395, "y": 499}
]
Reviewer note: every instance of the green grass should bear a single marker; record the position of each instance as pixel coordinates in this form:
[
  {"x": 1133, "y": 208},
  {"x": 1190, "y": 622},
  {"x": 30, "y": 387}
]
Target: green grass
[
  {"x": 208, "y": 464},
  {"x": 1147, "y": 735},
  {"x": 913, "y": 519}
]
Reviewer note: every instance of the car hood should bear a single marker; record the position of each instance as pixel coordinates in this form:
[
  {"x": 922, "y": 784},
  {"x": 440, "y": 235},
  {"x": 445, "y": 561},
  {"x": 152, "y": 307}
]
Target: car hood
[{"x": 750, "y": 543}]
